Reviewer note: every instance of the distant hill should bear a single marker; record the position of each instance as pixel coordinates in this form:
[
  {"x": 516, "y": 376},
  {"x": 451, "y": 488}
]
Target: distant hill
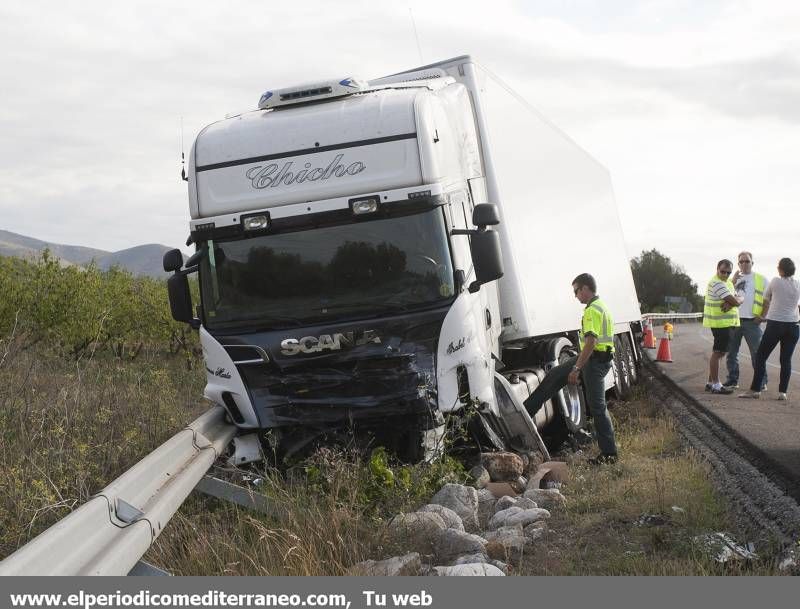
[{"x": 139, "y": 260}]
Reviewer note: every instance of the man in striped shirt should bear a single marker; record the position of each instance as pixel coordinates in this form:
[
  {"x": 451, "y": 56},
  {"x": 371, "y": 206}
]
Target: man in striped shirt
[{"x": 721, "y": 314}]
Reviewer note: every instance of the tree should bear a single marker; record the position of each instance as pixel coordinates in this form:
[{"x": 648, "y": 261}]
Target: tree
[{"x": 656, "y": 277}]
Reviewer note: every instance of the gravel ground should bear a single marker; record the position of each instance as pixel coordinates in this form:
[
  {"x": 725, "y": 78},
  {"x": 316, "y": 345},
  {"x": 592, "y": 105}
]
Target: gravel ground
[{"x": 756, "y": 493}]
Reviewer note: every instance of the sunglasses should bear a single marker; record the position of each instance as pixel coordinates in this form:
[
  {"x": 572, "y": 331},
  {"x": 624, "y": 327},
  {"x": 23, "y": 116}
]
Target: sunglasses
[{"x": 724, "y": 272}]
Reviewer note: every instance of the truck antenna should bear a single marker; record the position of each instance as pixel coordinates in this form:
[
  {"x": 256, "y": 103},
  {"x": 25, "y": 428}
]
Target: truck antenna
[
  {"x": 416, "y": 35},
  {"x": 183, "y": 157}
]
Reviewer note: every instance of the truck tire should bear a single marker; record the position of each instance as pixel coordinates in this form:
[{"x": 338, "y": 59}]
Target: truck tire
[
  {"x": 571, "y": 399},
  {"x": 633, "y": 365},
  {"x": 622, "y": 382}
]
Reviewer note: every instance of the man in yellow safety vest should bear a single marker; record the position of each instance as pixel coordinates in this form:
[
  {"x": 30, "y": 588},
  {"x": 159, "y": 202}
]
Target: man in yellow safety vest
[
  {"x": 750, "y": 287},
  {"x": 596, "y": 339},
  {"x": 721, "y": 314}
]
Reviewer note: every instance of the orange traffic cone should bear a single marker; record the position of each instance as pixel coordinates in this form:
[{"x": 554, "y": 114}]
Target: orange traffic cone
[
  {"x": 664, "y": 354},
  {"x": 649, "y": 340}
]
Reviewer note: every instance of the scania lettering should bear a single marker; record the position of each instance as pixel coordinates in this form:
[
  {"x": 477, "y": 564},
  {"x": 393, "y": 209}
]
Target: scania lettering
[{"x": 375, "y": 257}]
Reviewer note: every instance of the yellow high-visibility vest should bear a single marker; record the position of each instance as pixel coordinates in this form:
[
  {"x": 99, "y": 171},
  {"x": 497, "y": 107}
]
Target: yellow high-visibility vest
[
  {"x": 760, "y": 284},
  {"x": 713, "y": 315},
  {"x": 597, "y": 320}
]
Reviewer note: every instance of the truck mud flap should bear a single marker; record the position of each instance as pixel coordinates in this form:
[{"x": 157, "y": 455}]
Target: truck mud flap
[{"x": 513, "y": 425}]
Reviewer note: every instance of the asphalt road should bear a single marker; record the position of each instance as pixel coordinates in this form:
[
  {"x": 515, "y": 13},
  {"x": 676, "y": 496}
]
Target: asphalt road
[{"x": 771, "y": 426}]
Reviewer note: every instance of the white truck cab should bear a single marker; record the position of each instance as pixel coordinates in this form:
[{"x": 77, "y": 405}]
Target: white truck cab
[{"x": 350, "y": 237}]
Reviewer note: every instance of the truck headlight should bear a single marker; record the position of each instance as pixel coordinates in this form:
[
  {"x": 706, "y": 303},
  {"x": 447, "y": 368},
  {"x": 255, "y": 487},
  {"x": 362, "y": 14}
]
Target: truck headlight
[{"x": 256, "y": 222}]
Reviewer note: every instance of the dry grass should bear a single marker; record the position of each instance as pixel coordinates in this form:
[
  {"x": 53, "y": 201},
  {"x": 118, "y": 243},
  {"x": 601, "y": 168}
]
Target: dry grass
[
  {"x": 69, "y": 428},
  {"x": 597, "y": 533}
]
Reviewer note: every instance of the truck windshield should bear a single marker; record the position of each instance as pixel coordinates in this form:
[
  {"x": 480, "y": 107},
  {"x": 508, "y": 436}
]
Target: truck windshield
[{"x": 335, "y": 272}]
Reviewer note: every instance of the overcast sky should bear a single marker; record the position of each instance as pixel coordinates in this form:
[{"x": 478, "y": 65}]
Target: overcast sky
[{"x": 694, "y": 106}]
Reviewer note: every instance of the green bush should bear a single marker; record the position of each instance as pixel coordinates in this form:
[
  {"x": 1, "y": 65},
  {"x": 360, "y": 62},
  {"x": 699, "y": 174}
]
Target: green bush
[{"x": 76, "y": 310}]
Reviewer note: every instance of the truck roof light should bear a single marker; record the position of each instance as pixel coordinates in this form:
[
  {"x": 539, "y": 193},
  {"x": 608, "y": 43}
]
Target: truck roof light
[
  {"x": 311, "y": 92},
  {"x": 257, "y": 222},
  {"x": 364, "y": 206}
]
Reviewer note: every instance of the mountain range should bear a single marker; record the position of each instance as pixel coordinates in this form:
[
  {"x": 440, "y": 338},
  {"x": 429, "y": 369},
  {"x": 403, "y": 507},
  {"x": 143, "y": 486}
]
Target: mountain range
[{"x": 139, "y": 260}]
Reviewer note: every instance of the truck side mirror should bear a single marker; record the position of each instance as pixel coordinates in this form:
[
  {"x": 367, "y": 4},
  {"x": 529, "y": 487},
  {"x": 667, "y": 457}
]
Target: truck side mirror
[
  {"x": 487, "y": 257},
  {"x": 180, "y": 299},
  {"x": 173, "y": 260},
  {"x": 485, "y": 214}
]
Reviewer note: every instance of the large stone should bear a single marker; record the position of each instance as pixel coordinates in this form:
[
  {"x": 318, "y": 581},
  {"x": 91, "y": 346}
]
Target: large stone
[
  {"x": 397, "y": 565},
  {"x": 463, "y": 500},
  {"x": 534, "y": 531},
  {"x": 504, "y": 503},
  {"x": 505, "y": 543},
  {"x": 546, "y": 497},
  {"x": 451, "y": 519},
  {"x": 416, "y": 532},
  {"x": 470, "y": 570},
  {"x": 486, "y": 504},
  {"x": 500, "y": 565},
  {"x": 525, "y": 503},
  {"x": 449, "y": 544},
  {"x": 502, "y": 466},
  {"x": 468, "y": 559},
  {"x": 480, "y": 475},
  {"x": 515, "y": 515}
]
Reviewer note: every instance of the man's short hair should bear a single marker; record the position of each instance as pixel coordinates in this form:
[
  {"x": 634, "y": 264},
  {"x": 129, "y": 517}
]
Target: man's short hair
[
  {"x": 748, "y": 254},
  {"x": 724, "y": 262},
  {"x": 585, "y": 279},
  {"x": 787, "y": 266}
]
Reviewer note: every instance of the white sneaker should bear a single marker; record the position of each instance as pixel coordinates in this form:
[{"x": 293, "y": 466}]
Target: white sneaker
[
  {"x": 782, "y": 397},
  {"x": 752, "y": 395}
]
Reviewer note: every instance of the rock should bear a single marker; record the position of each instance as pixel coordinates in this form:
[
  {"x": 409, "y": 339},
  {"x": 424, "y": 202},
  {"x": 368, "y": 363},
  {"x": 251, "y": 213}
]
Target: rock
[
  {"x": 534, "y": 531},
  {"x": 451, "y": 519},
  {"x": 480, "y": 475},
  {"x": 463, "y": 500},
  {"x": 486, "y": 503},
  {"x": 499, "y": 518},
  {"x": 398, "y": 565},
  {"x": 449, "y": 544},
  {"x": 502, "y": 466},
  {"x": 500, "y": 565},
  {"x": 545, "y": 497},
  {"x": 525, "y": 503},
  {"x": 651, "y": 520},
  {"x": 469, "y": 559},
  {"x": 480, "y": 568},
  {"x": 417, "y": 531},
  {"x": 504, "y": 503},
  {"x": 505, "y": 543},
  {"x": 515, "y": 515}
]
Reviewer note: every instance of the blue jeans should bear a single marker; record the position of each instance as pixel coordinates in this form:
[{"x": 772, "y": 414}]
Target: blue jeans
[
  {"x": 751, "y": 332},
  {"x": 593, "y": 375},
  {"x": 783, "y": 332}
]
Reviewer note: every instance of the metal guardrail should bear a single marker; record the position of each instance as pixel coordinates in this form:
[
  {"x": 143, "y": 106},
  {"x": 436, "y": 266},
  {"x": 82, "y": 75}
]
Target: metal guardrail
[
  {"x": 110, "y": 533},
  {"x": 672, "y": 316}
]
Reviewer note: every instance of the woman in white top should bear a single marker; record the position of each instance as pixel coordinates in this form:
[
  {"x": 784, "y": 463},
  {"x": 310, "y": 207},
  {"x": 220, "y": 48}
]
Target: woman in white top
[{"x": 782, "y": 312}]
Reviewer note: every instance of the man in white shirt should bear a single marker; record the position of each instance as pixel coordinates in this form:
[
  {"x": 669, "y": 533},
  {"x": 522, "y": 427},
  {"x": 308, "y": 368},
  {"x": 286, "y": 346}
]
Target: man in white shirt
[
  {"x": 750, "y": 287},
  {"x": 721, "y": 314}
]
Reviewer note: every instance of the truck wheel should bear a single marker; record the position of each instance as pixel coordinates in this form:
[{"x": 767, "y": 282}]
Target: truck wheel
[
  {"x": 571, "y": 399},
  {"x": 622, "y": 382},
  {"x": 633, "y": 368}
]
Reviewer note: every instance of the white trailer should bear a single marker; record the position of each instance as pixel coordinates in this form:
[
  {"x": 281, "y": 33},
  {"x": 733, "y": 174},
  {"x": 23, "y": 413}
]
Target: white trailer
[{"x": 348, "y": 269}]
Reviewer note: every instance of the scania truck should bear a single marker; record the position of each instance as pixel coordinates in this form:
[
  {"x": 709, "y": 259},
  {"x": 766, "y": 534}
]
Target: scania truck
[{"x": 382, "y": 255}]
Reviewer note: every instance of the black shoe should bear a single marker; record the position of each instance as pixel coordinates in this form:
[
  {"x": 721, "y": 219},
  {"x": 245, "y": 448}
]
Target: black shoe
[
  {"x": 731, "y": 384},
  {"x": 603, "y": 460}
]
